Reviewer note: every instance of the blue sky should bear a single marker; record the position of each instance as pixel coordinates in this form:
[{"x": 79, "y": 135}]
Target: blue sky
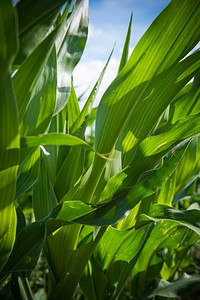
[{"x": 108, "y": 24}]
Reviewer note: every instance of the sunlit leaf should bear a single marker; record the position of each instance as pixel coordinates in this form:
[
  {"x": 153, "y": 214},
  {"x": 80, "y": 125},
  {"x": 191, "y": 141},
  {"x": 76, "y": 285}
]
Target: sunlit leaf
[
  {"x": 9, "y": 136},
  {"x": 53, "y": 139},
  {"x": 70, "y": 45},
  {"x": 35, "y": 18}
]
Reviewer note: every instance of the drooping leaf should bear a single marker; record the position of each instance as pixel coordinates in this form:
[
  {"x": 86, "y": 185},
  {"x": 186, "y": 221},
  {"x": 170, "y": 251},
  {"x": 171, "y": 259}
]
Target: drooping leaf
[
  {"x": 53, "y": 139},
  {"x": 173, "y": 289},
  {"x": 166, "y": 234},
  {"x": 188, "y": 218},
  {"x": 132, "y": 85},
  {"x": 146, "y": 86}
]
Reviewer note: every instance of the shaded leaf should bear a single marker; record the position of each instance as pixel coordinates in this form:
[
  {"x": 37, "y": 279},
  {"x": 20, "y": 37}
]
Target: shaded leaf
[
  {"x": 173, "y": 289},
  {"x": 35, "y": 18},
  {"x": 9, "y": 136}
]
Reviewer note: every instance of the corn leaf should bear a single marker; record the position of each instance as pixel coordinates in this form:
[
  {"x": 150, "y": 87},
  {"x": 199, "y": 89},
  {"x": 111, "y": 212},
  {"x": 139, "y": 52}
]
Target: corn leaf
[
  {"x": 28, "y": 172},
  {"x": 150, "y": 59},
  {"x": 154, "y": 74},
  {"x": 166, "y": 234},
  {"x": 35, "y": 18},
  {"x": 53, "y": 139},
  {"x": 9, "y": 136},
  {"x": 43, "y": 98},
  {"x": 70, "y": 45},
  {"x": 173, "y": 289},
  {"x": 30, "y": 71},
  {"x": 125, "y": 52},
  {"x": 188, "y": 218},
  {"x": 111, "y": 261},
  {"x": 85, "y": 112}
]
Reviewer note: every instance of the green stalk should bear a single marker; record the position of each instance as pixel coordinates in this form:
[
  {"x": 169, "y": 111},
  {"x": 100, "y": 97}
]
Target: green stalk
[
  {"x": 25, "y": 287},
  {"x": 93, "y": 180}
]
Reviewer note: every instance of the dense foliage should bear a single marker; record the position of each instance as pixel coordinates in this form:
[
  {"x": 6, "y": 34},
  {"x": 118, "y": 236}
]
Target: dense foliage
[{"x": 110, "y": 211}]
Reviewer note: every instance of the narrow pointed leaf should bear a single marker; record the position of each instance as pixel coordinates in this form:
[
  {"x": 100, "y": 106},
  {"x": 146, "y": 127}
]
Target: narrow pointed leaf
[{"x": 125, "y": 52}]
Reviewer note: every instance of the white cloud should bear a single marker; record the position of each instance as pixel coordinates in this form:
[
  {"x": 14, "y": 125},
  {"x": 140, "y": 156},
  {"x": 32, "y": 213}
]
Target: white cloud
[
  {"x": 87, "y": 73},
  {"x": 95, "y": 31}
]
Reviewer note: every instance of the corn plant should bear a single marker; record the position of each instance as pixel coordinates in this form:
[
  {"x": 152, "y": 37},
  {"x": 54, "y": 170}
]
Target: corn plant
[{"x": 116, "y": 207}]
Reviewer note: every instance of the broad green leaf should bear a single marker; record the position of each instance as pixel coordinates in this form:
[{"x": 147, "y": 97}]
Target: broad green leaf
[
  {"x": 160, "y": 93},
  {"x": 53, "y": 139},
  {"x": 59, "y": 247},
  {"x": 27, "y": 248},
  {"x": 112, "y": 261},
  {"x": 153, "y": 148},
  {"x": 28, "y": 172},
  {"x": 167, "y": 190},
  {"x": 30, "y": 71},
  {"x": 27, "y": 76},
  {"x": 31, "y": 238},
  {"x": 8, "y": 36},
  {"x": 35, "y": 18},
  {"x": 76, "y": 124},
  {"x": 93, "y": 273},
  {"x": 150, "y": 151},
  {"x": 70, "y": 160},
  {"x": 189, "y": 169},
  {"x": 166, "y": 234},
  {"x": 149, "y": 60},
  {"x": 147, "y": 85},
  {"x": 51, "y": 152},
  {"x": 79, "y": 212},
  {"x": 187, "y": 218},
  {"x": 76, "y": 266},
  {"x": 70, "y": 45},
  {"x": 60, "y": 244},
  {"x": 173, "y": 289},
  {"x": 110, "y": 212},
  {"x": 186, "y": 103},
  {"x": 44, "y": 198},
  {"x": 43, "y": 98},
  {"x": 9, "y": 136},
  {"x": 69, "y": 173}
]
